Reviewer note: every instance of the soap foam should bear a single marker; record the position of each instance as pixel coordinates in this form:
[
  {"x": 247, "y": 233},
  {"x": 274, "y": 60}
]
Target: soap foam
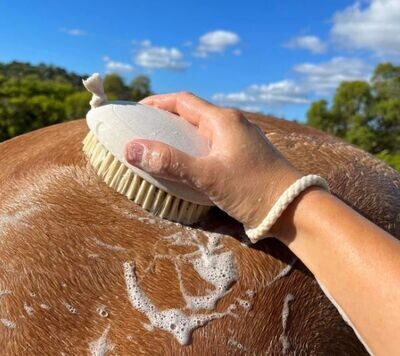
[
  {"x": 173, "y": 321},
  {"x": 100, "y": 347},
  {"x": 16, "y": 218},
  {"x": 102, "y": 311},
  {"x": 213, "y": 264},
  {"x": 114, "y": 248},
  {"x": 4, "y": 292},
  {"x": 29, "y": 310},
  {"x": 8, "y": 323},
  {"x": 234, "y": 343},
  {"x": 285, "y": 315},
  {"x": 70, "y": 308},
  {"x": 245, "y": 304},
  {"x": 284, "y": 271},
  {"x": 217, "y": 269}
]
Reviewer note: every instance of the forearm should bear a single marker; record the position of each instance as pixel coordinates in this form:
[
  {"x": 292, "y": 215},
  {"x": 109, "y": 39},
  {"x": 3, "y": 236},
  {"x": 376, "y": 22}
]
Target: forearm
[{"x": 357, "y": 262}]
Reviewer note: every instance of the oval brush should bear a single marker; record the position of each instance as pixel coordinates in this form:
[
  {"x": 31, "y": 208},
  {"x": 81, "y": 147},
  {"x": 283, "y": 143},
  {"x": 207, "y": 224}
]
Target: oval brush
[{"x": 114, "y": 123}]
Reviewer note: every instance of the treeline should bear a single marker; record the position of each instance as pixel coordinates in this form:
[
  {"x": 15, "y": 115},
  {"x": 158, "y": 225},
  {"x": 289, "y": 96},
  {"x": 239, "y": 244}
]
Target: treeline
[
  {"x": 366, "y": 114},
  {"x": 34, "y": 96}
]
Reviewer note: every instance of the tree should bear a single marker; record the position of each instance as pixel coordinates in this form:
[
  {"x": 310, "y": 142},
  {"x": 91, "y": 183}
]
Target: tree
[
  {"x": 35, "y": 96},
  {"x": 77, "y": 105},
  {"x": 115, "y": 87},
  {"x": 319, "y": 116},
  {"x": 351, "y": 111},
  {"x": 365, "y": 114},
  {"x": 140, "y": 87}
]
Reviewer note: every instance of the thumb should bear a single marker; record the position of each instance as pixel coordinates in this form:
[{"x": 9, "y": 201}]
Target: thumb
[{"x": 162, "y": 160}]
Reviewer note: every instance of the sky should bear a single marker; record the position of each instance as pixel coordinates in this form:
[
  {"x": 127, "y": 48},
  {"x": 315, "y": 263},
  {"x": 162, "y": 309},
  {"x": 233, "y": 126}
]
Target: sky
[{"x": 270, "y": 56}]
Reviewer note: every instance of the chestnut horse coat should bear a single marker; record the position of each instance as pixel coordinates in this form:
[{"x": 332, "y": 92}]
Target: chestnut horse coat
[{"x": 65, "y": 237}]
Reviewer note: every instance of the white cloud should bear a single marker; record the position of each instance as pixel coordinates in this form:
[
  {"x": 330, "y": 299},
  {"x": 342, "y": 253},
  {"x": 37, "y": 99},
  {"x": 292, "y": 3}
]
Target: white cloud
[
  {"x": 216, "y": 42},
  {"x": 375, "y": 26},
  {"x": 73, "y": 31},
  {"x": 323, "y": 78},
  {"x": 154, "y": 57},
  {"x": 282, "y": 93},
  {"x": 237, "y": 52},
  {"x": 311, "y": 43},
  {"x": 313, "y": 80},
  {"x": 116, "y": 67}
]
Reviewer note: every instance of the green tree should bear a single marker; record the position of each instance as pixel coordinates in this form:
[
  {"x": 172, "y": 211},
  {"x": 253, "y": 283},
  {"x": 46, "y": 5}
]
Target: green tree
[
  {"x": 351, "y": 112},
  {"x": 319, "y": 116},
  {"x": 115, "y": 87},
  {"x": 140, "y": 87},
  {"x": 365, "y": 114},
  {"x": 35, "y": 96},
  {"x": 77, "y": 105}
]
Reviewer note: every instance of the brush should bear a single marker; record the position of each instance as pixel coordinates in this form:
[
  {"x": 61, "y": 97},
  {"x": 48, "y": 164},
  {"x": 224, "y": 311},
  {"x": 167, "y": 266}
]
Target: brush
[{"x": 114, "y": 123}]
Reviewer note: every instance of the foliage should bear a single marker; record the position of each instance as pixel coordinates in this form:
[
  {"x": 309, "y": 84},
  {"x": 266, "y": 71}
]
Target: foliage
[
  {"x": 32, "y": 96},
  {"x": 366, "y": 114}
]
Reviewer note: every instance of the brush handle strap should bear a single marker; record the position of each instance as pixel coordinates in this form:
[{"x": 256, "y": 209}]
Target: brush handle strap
[{"x": 261, "y": 231}]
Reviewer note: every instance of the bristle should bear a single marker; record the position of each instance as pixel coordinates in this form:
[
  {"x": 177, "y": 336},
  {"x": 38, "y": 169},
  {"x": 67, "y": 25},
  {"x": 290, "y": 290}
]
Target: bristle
[
  {"x": 134, "y": 187},
  {"x": 158, "y": 201},
  {"x": 190, "y": 211},
  {"x": 166, "y": 206},
  {"x": 149, "y": 198},
  {"x": 125, "y": 181},
  {"x": 182, "y": 216},
  {"x": 122, "y": 179},
  {"x": 141, "y": 194}
]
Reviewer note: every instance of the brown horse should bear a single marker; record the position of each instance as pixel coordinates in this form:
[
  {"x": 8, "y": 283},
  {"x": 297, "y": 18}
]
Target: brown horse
[{"x": 83, "y": 270}]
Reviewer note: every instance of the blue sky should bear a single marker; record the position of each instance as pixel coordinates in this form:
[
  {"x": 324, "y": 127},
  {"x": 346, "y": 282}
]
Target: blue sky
[{"x": 271, "y": 56}]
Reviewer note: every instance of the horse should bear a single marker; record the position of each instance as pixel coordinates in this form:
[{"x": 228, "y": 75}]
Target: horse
[{"x": 83, "y": 270}]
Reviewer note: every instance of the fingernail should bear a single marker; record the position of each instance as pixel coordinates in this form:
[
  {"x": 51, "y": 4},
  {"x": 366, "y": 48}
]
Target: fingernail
[{"x": 134, "y": 153}]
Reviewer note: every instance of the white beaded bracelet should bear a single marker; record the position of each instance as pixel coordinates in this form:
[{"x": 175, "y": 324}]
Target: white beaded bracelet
[{"x": 257, "y": 233}]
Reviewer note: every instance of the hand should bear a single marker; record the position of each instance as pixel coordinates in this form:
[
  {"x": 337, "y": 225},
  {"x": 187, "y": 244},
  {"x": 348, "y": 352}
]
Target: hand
[{"x": 243, "y": 174}]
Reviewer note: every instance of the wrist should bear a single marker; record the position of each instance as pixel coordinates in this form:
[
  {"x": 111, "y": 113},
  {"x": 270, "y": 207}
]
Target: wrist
[
  {"x": 273, "y": 183},
  {"x": 298, "y": 218}
]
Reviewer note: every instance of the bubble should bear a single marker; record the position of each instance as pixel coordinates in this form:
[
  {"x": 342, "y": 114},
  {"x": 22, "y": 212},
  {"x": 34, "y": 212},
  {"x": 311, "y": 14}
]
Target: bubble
[
  {"x": 8, "y": 323},
  {"x": 29, "y": 310},
  {"x": 102, "y": 311},
  {"x": 71, "y": 308}
]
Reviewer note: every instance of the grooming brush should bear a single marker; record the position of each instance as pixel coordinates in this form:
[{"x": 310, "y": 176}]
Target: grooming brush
[{"x": 114, "y": 123}]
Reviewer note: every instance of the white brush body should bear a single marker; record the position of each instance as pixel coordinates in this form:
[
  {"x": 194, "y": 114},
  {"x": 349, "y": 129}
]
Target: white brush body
[{"x": 116, "y": 123}]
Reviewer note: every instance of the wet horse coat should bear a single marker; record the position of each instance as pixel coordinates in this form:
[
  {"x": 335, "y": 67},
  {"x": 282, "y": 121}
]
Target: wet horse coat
[{"x": 70, "y": 246}]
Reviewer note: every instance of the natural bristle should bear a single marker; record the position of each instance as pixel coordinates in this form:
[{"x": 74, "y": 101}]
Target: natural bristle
[{"x": 120, "y": 178}]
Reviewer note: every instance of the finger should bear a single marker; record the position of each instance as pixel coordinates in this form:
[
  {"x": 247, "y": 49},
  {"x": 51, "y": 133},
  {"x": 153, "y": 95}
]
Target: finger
[
  {"x": 187, "y": 105},
  {"x": 162, "y": 160}
]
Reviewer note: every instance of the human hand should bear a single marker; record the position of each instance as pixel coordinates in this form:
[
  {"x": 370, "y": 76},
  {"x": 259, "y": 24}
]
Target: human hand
[{"x": 243, "y": 174}]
